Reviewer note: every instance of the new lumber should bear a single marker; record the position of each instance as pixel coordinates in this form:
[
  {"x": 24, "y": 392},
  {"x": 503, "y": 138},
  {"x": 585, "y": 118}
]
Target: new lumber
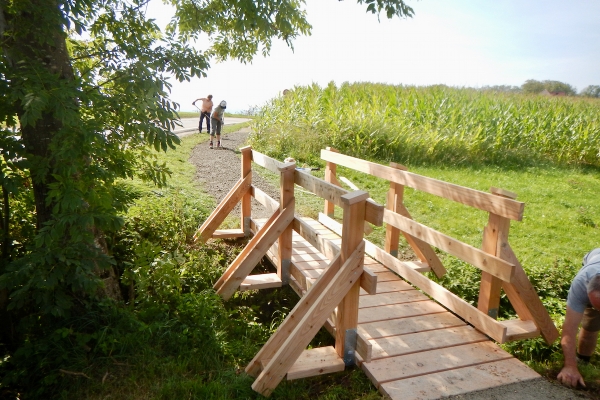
[
  {"x": 317, "y": 361},
  {"x": 215, "y": 219},
  {"x": 484, "y": 201},
  {"x": 493, "y": 265},
  {"x": 313, "y": 319},
  {"x": 253, "y": 252},
  {"x": 459, "y": 381},
  {"x": 261, "y": 281},
  {"x": 228, "y": 234}
]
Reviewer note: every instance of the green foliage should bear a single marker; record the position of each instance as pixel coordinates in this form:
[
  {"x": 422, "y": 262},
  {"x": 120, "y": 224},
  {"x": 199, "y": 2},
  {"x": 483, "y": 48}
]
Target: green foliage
[
  {"x": 532, "y": 86},
  {"x": 591, "y": 91},
  {"x": 429, "y": 125}
]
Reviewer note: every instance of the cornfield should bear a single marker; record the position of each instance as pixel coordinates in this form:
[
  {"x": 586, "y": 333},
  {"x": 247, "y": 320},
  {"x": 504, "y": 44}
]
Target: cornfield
[{"x": 435, "y": 124}]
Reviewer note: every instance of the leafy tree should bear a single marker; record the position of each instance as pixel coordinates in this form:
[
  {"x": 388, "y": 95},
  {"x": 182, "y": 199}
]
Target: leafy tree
[
  {"x": 85, "y": 101},
  {"x": 591, "y": 91},
  {"x": 532, "y": 86}
]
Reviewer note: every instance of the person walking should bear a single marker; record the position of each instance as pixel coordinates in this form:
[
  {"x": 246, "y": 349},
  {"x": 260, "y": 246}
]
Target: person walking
[
  {"x": 205, "y": 110},
  {"x": 217, "y": 119},
  {"x": 583, "y": 305}
]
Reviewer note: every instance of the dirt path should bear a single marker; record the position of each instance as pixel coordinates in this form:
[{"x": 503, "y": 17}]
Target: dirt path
[{"x": 219, "y": 170}]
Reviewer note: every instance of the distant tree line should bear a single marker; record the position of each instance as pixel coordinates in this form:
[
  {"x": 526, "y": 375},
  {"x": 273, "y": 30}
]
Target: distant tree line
[{"x": 531, "y": 86}]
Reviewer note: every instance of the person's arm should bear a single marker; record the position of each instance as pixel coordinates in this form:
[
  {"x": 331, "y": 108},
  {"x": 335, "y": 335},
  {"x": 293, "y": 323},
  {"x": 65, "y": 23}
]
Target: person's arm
[{"x": 569, "y": 375}]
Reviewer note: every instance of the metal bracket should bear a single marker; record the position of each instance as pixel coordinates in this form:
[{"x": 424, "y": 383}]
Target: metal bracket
[
  {"x": 285, "y": 271},
  {"x": 350, "y": 347},
  {"x": 247, "y": 226},
  {"x": 493, "y": 312}
]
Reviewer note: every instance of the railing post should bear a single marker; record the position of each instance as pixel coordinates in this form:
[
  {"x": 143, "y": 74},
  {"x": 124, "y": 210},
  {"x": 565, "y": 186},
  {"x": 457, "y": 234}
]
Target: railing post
[
  {"x": 352, "y": 235},
  {"x": 286, "y": 195},
  {"x": 394, "y": 201},
  {"x": 330, "y": 176},
  {"x": 246, "y": 208},
  {"x": 495, "y": 236}
]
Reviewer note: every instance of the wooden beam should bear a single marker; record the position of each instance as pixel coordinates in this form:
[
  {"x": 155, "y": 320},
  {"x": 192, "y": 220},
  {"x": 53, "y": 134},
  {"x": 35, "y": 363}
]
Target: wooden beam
[
  {"x": 522, "y": 295},
  {"x": 314, "y": 318},
  {"x": 253, "y": 252},
  {"x": 352, "y": 238},
  {"x": 330, "y": 176},
  {"x": 484, "y": 201},
  {"x": 268, "y": 202},
  {"x": 261, "y": 281},
  {"x": 228, "y": 234},
  {"x": 267, "y": 162},
  {"x": 332, "y": 193},
  {"x": 291, "y": 322},
  {"x": 317, "y": 361},
  {"x": 216, "y": 218},
  {"x": 286, "y": 195},
  {"x": 246, "y": 209},
  {"x": 488, "y": 263}
]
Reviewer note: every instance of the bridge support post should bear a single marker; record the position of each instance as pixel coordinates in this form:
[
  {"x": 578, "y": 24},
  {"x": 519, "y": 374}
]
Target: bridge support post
[
  {"x": 352, "y": 235},
  {"x": 246, "y": 205},
  {"x": 330, "y": 176},
  {"x": 286, "y": 195}
]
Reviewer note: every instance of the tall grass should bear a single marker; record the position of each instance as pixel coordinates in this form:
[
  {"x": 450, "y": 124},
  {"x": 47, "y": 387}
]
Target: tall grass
[{"x": 435, "y": 124}]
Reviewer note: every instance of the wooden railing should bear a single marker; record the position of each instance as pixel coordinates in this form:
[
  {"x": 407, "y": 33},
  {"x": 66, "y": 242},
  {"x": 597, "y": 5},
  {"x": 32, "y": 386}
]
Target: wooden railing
[
  {"x": 498, "y": 263},
  {"x": 335, "y": 294}
]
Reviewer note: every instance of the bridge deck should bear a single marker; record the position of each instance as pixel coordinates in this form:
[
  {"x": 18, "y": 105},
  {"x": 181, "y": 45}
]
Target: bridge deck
[{"x": 420, "y": 350}]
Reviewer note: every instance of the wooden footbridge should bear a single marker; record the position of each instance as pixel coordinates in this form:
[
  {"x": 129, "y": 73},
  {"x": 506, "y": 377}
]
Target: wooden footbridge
[{"x": 413, "y": 338}]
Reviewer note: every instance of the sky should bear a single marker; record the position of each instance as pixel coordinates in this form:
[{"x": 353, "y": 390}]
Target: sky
[{"x": 463, "y": 43}]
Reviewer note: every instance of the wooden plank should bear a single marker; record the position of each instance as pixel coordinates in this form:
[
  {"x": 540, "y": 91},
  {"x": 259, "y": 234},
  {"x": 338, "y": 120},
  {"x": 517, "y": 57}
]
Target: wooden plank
[
  {"x": 402, "y": 326},
  {"x": 228, "y": 234},
  {"x": 247, "y": 260},
  {"x": 267, "y": 162},
  {"x": 268, "y": 202},
  {"x": 368, "y": 281},
  {"x": 317, "y": 361},
  {"x": 393, "y": 311},
  {"x": 309, "y": 325},
  {"x": 454, "y": 303},
  {"x": 478, "y": 258},
  {"x": 459, "y": 381},
  {"x": 385, "y": 299},
  {"x": 391, "y": 286},
  {"x": 262, "y": 281},
  {"x": 424, "y": 341},
  {"x": 484, "y": 201},
  {"x": 432, "y": 361},
  {"x": 332, "y": 193},
  {"x": 519, "y": 330},
  {"x": 387, "y": 276},
  {"x": 495, "y": 234},
  {"x": 364, "y": 348},
  {"x": 223, "y": 209},
  {"x": 418, "y": 323}
]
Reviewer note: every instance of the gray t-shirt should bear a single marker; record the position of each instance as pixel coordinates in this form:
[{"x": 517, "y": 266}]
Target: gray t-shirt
[{"x": 578, "y": 298}]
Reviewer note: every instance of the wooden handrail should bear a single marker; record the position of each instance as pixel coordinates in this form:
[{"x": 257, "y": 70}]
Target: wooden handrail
[{"x": 484, "y": 201}]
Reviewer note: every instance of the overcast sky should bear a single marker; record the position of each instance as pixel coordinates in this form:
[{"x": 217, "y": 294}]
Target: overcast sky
[{"x": 458, "y": 43}]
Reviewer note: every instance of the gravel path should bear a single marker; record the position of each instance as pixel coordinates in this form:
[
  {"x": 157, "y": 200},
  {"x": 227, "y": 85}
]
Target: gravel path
[{"x": 219, "y": 170}]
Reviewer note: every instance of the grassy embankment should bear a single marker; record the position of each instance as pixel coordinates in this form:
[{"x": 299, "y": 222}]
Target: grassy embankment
[
  {"x": 177, "y": 339},
  {"x": 544, "y": 149}
]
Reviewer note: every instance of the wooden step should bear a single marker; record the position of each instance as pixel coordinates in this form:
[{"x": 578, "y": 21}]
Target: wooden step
[
  {"x": 228, "y": 234},
  {"x": 318, "y": 361},
  {"x": 263, "y": 281},
  {"x": 517, "y": 329}
]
